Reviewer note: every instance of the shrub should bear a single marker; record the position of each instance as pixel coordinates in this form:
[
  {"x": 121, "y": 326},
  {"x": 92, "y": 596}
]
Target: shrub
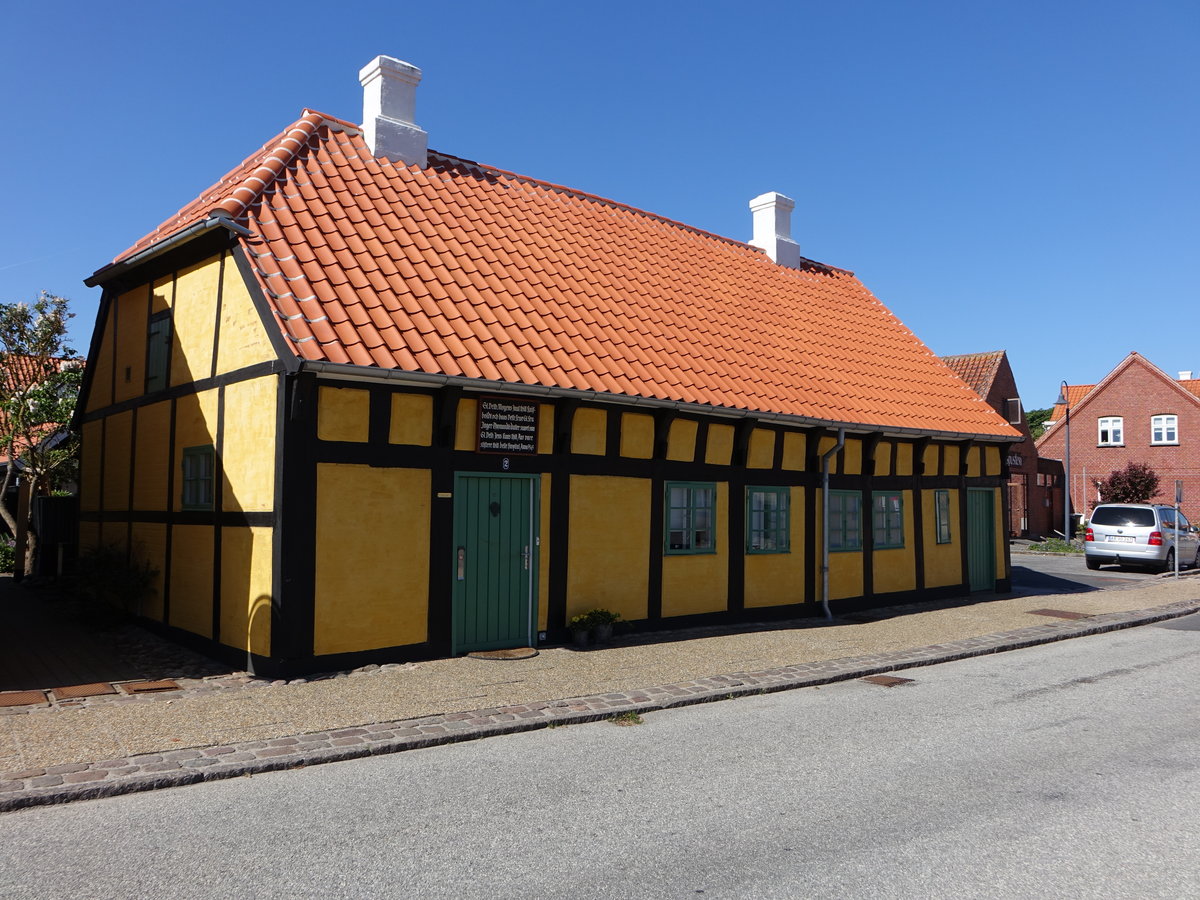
[{"x": 1136, "y": 483}]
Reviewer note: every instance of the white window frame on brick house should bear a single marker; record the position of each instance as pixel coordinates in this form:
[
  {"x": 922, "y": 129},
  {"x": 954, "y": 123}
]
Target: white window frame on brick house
[
  {"x": 1110, "y": 431},
  {"x": 1164, "y": 429}
]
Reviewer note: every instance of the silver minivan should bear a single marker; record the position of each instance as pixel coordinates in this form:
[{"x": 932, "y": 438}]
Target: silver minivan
[{"x": 1140, "y": 534}]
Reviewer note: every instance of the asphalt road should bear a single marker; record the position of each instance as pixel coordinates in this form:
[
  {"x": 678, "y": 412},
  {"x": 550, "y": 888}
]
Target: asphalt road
[
  {"x": 1070, "y": 770},
  {"x": 1036, "y": 574}
]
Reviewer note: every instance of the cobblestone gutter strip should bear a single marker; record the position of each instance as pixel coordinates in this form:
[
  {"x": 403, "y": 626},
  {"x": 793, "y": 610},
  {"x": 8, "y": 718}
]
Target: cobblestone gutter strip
[{"x": 108, "y": 778}]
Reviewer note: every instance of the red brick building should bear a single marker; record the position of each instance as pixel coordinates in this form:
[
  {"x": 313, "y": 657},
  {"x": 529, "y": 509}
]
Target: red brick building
[
  {"x": 1138, "y": 413},
  {"x": 1035, "y": 492}
]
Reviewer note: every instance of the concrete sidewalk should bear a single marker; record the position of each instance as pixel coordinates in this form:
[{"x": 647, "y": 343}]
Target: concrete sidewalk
[{"x": 232, "y": 724}]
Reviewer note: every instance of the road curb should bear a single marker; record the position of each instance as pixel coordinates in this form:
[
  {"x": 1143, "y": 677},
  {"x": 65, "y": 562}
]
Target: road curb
[{"x": 192, "y": 765}]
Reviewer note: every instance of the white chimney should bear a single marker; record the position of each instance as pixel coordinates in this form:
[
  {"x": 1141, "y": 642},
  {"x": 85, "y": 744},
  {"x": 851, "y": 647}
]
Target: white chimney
[
  {"x": 389, "y": 106},
  {"x": 1185, "y": 375},
  {"x": 773, "y": 228}
]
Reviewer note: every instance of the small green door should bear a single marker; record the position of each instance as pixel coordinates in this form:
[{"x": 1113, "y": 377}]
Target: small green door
[
  {"x": 981, "y": 539},
  {"x": 495, "y": 561}
]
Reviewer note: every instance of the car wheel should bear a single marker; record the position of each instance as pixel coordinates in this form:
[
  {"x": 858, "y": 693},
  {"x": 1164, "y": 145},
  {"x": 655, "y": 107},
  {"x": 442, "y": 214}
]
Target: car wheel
[
  {"x": 1095, "y": 563},
  {"x": 1196, "y": 561},
  {"x": 1169, "y": 562}
]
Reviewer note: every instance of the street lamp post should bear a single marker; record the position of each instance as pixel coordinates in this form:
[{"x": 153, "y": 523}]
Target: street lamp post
[{"x": 1062, "y": 398}]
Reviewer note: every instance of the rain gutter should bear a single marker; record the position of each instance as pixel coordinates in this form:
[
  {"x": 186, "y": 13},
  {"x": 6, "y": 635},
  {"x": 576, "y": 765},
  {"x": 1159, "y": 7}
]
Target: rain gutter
[{"x": 825, "y": 457}]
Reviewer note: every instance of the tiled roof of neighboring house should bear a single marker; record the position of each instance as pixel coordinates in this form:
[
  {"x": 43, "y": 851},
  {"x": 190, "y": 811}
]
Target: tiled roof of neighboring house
[
  {"x": 1192, "y": 385},
  {"x": 466, "y": 270},
  {"x": 978, "y": 370},
  {"x": 1075, "y": 393},
  {"x": 22, "y": 371}
]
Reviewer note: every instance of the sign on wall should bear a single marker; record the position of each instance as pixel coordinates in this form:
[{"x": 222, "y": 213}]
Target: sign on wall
[
  {"x": 1015, "y": 461},
  {"x": 507, "y": 426}
]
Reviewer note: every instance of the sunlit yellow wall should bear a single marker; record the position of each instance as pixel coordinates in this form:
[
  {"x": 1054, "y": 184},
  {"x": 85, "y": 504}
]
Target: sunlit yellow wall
[
  {"x": 100, "y": 387},
  {"x": 195, "y": 426},
  {"x": 371, "y": 593},
  {"x": 951, "y": 461},
  {"x": 895, "y": 569},
  {"x": 243, "y": 340},
  {"x": 883, "y": 458},
  {"x": 89, "y": 466},
  {"x": 854, "y": 447},
  {"x": 466, "y": 428},
  {"x": 246, "y": 589},
  {"x": 699, "y": 583},
  {"x": 776, "y": 579},
  {"x": 248, "y": 461},
  {"x": 545, "y": 439},
  {"x": 118, "y": 437},
  {"x": 343, "y": 414},
  {"x": 412, "y": 419},
  {"x": 991, "y": 460},
  {"x": 131, "y": 342},
  {"x": 904, "y": 459},
  {"x": 943, "y": 562},
  {"x": 845, "y": 575},
  {"x": 545, "y": 548},
  {"x": 931, "y": 460},
  {"x": 681, "y": 442},
  {"x": 718, "y": 449},
  {"x": 194, "y": 315},
  {"x": 609, "y": 572},
  {"x": 637, "y": 435},
  {"x": 973, "y": 467},
  {"x": 824, "y": 446},
  {"x": 761, "y": 452},
  {"x": 153, "y": 456},
  {"x": 794, "y": 446},
  {"x": 149, "y": 548},
  {"x": 589, "y": 429},
  {"x": 192, "y": 579}
]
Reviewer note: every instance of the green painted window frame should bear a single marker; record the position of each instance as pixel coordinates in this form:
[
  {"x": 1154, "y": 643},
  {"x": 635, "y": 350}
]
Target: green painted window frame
[
  {"x": 845, "y": 521},
  {"x": 941, "y": 515},
  {"x": 887, "y": 519},
  {"x": 199, "y": 477},
  {"x": 768, "y": 525},
  {"x": 696, "y": 504},
  {"x": 158, "y": 351}
]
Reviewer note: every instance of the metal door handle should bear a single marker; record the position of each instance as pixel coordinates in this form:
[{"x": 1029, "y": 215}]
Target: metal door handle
[{"x": 525, "y": 558}]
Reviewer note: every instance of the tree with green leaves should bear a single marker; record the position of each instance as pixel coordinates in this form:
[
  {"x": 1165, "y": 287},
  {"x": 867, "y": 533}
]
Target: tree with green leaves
[
  {"x": 1136, "y": 483},
  {"x": 40, "y": 378},
  {"x": 1036, "y": 419}
]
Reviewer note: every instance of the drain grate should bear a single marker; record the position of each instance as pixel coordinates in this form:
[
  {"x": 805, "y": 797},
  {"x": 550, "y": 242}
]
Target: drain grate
[
  {"x": 83, "y": 690},
  {"x": 888, "y": 680},
  {"x": 22, "y": 698},
  {"x": 146, "y": 687},
  {"x": 1059, "y": 613},
  {"x": 514, "y": 653}
]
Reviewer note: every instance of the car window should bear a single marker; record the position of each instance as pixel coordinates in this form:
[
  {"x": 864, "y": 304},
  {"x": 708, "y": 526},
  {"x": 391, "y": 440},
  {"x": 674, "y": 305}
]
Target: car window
[{"x": 1129, "y": 517}]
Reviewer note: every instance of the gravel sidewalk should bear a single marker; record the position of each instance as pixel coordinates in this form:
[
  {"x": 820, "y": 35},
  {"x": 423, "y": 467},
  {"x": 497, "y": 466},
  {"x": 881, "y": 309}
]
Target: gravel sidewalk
[{"x": 233, "y": 724}]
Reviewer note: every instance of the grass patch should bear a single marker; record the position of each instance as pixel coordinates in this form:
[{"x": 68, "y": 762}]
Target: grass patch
[{"x": 628, "y": 717}]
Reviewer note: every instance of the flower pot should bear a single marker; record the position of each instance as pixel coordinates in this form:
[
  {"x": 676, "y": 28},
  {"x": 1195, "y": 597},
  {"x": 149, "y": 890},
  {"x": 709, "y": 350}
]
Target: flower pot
[
  {"x": 602, "y": 633},
  {"x": 581, "y": 638}
]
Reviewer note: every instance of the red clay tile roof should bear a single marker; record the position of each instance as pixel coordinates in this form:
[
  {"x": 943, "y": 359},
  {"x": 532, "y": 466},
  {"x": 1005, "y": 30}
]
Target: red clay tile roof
[
  {"x": 466, "y": 270},
  {"x": 1075, "y": 393},
  {"x": 978, "y": 370}
]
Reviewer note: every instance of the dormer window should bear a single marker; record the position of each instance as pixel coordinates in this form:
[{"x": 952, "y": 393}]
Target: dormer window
[
  {"x": 1112, "y": 431},
  {"x": 1164, "y": 429}
]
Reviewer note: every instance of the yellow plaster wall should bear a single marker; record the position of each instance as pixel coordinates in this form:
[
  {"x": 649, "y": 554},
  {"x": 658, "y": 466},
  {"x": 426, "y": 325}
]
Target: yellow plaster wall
[
  {"x": 973, "y": 464},
  {"x": 194, "y": 318},
  {"x": 991, "y": 460},
  {"x": 845, "y": 575},
  {"x": 545, "y": 440},
  {"x": 1001, "y": 531},
  {"x": 943, "y": 562},
  {"x": 243, "y": 340},
  {"x": 589, "y": 430},
  {"x": 794, "y": 447},
  {"x": 904, "y": 459},
  {"x": 248, "y": 457},
  {"x": 89, "y": 466},
  {"x": 132, "y": 327},
  {"x": 883, "y": 458},
  {"x": 777, "y": 579},
  {"x": 895, "y": 569},
  {"x": 195, "y": 426},
  {"x": 119, "y": 442},
  {"x": 246, "y": 589},
  {"x": 371, "y": 593},
  {"x": 637, "y": 435},
  {"x": 952, "y": 460},
  {"x": 466, "y": 425},
  {"x": 162, "y": 294},
  {"x": 681, "y": 441},
  {"x": 343, "y": 414},
  {"x": 931, "y": 460},
  {"x": 699, "y": 583},
  {"x": 100, "y": 390},
  {"x": 761, "y": 452},
  {"x": 412, "y": 420},
  {"x": 544, "y": 549},
  {"x": 854, "y": 452},
  {"x": 153, "y": 456},
  {"x": 824, "y": 446},
  {"x": 609, "y": 545},
  {"x": 192, "y": 579},
  {"x": 149, "y": 548},
  {"x": 718, "y": 449}
]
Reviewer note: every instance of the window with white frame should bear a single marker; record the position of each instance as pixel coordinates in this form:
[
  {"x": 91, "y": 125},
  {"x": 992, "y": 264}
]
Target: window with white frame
[
  {"x": 1112, "y": 431},
  {"x": 1164, "y": 429}
]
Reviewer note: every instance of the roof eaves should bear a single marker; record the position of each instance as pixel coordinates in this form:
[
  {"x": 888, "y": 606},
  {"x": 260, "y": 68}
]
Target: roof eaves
[{"x": 114, "y": 269}]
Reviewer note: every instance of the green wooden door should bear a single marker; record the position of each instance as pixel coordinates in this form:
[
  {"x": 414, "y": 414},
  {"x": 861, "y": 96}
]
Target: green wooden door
[
  {"x": 981, "y": 539},
  {"x": 495, "y": 561}
]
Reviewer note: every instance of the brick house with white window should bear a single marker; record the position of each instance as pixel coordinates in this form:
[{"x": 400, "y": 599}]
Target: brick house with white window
[{"x": 1137, "y": 413}]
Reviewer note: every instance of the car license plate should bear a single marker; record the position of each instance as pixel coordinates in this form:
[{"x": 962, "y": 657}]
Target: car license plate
[{"x": 1120, "y": 539}]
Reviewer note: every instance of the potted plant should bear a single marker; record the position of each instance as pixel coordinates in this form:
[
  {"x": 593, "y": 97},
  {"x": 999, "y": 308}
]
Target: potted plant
[
  {"x": 581, "y": 629},
  {"x": 602, "y": 621}
]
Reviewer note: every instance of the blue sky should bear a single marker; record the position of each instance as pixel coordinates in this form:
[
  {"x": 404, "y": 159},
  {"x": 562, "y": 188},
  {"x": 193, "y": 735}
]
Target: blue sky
[{"x": 1003, "y": 175}]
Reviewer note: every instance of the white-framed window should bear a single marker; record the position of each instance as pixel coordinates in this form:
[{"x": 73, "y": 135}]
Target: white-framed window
[
  {"x": 1111, "y": 431},
  {"x": 1164, "y": 429}
]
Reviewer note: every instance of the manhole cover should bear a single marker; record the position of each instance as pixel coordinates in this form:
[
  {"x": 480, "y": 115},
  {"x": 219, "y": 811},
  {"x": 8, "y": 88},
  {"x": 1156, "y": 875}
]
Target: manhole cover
[
  {"x": 22, "y": 698},
  {"x": 145, "y": 687},
  {"x": 83, "y": 690},
  {"x": 514, "y": 653},
  {"x": 887, "y": 680},
  {"x": 1059, "y": 613}
]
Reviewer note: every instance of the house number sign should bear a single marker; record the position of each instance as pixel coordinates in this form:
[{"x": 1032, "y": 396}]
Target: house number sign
[{"x": 507, "y": 426}]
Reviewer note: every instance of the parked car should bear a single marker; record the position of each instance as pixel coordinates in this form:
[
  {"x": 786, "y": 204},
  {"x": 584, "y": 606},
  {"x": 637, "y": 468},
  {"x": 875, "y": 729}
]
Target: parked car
[{"x": 1140, "y": 534}]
